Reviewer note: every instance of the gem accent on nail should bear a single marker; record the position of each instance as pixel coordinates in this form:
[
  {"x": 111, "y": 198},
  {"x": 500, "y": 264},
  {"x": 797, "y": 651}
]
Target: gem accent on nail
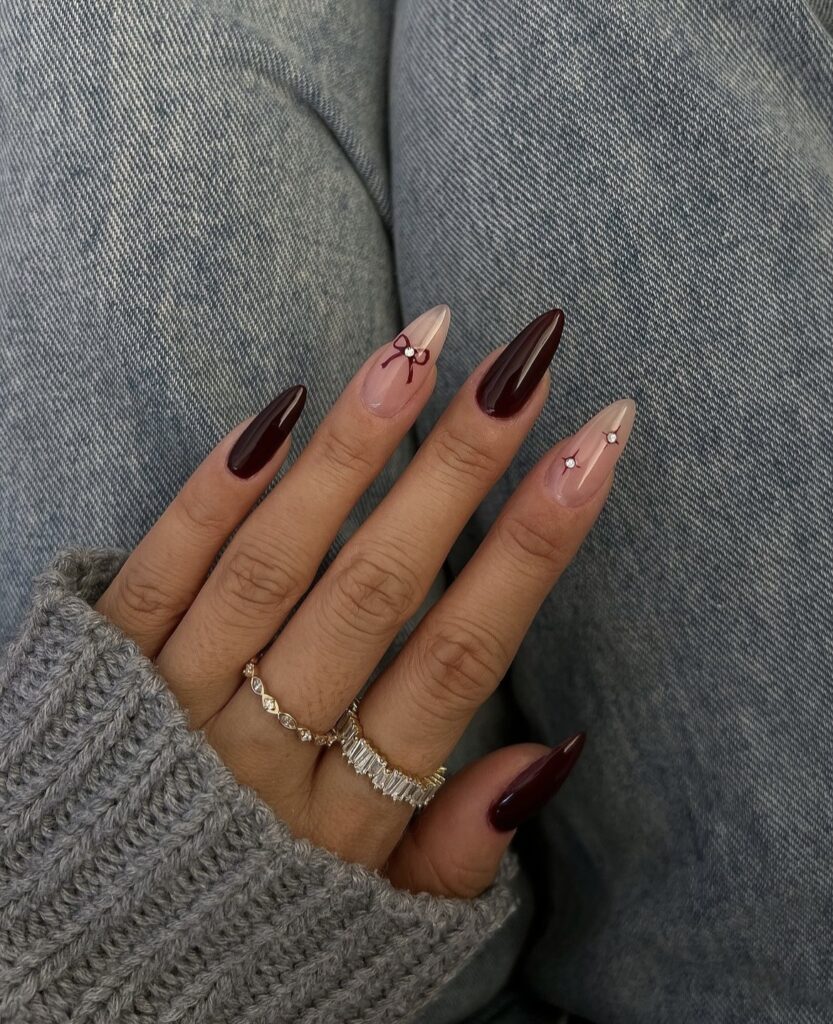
[
  {"x": 404, "y": 348},
  {"x": 587, "y": 459},
  {"x": 570, "y": 462}
]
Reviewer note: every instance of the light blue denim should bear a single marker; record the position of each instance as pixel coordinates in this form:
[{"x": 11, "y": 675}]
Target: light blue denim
[
  {"x": 195, "y": 211},
  {"x": 664, "y": 171}
]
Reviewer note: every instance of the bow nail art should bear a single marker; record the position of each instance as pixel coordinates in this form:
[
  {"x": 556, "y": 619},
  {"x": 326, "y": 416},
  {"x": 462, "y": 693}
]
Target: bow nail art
[
  {"x": 414, "y": 355},
  {"x": 385, "y": 391}
]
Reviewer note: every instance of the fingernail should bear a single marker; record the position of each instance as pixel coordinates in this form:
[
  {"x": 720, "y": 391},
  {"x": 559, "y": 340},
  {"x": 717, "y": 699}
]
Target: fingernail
[
  {"x": 267, "y": 432},
  {"x": 587, "y": 459},
  {"x": 516, "y": 372},
  {"x": 401, "y": 367},
  {"x": 528, "y": 793}
]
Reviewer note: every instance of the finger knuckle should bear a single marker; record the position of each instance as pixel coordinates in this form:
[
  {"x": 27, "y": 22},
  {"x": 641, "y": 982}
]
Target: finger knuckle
[
  {"x": 462, "y": 456},
  {"x": 456, "y": 669},
  {"x": 453, "y": 874},
  {"x": 202, "y": 512},
  {"x": 374, "y": 593},
  {"x": 144, "y": 595},
  {"x": 251, "y": 578},
  {"x": 343, "y": 453},
  {"x": 535, "y": 548}
]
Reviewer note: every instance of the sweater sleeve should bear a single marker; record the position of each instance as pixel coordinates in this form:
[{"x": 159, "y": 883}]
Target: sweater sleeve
[{"x": 139, "y": 881}]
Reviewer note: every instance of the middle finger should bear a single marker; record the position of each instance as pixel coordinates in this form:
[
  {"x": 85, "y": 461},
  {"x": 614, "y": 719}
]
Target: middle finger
[{"x": 379, "y": 579}]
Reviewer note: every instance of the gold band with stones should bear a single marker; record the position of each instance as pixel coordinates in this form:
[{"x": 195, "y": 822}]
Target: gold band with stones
[
  {"x": 271, "y": 706},
  {"x": 364, "y": 759}
]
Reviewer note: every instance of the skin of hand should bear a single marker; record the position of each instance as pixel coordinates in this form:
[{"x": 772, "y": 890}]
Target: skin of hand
[{"x": 201, "y": 622}]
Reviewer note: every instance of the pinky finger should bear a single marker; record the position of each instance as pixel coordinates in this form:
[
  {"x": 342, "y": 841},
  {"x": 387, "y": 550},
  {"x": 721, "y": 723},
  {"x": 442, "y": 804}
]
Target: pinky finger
[
  {"x": 159, "y": 581},
  {"x": 455, "y": 846}
]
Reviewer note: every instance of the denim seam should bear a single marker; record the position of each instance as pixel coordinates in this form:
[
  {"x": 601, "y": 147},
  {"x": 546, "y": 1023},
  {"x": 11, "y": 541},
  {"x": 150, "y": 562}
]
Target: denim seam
[{"x": 271, "y": 62}]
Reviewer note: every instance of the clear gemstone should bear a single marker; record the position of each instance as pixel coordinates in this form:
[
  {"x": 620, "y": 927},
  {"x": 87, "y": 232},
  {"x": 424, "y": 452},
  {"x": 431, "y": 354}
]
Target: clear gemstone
[
  {"x": 611, "y": 437},
  {"x": 287, "y": 720},
  {"x": 305, "y": 735},
  {"x": 257, "y": 685},
  {"x": 409, "y": 352},
  {"x": 270, "y": 704},
  {"x": 570, "y": 463},
  {"x": 363, "y": 760}
]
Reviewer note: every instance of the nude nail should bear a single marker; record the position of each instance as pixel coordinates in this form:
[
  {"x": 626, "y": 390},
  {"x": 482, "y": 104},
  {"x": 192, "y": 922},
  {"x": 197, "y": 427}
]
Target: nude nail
[
  {"x": 403, "y": 365},
  {"x": 586, "y": 460}
]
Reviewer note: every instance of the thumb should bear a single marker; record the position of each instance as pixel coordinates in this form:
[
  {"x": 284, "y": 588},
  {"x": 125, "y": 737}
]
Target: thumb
[{"x": 455, "y": 846}]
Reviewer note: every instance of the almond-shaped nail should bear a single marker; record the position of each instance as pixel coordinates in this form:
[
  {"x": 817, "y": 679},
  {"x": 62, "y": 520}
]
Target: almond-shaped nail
[
  {"x": 586, "y": 459},
  {"x": 528, "y": 793},
  {"x": 518, "y": 370},
  {"x": 402, "y": 366},
  {"x": 267, "y": 432}
]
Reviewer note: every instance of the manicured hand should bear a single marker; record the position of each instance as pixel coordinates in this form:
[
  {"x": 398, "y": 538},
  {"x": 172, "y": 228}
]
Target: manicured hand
[{"x": 201, "y": 627}]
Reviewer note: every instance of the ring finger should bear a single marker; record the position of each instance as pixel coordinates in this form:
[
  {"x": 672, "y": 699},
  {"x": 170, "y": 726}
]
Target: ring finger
[
  {"x": 416, "y": 711},
  {"x": 330, "y": 647}
]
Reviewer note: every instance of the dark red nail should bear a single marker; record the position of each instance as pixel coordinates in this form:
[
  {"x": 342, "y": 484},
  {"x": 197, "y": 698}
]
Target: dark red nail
[
  {"x": 515, "y": 374},
  {"x": 267, "y": 432},
  {"x": 528, "y": 793}
]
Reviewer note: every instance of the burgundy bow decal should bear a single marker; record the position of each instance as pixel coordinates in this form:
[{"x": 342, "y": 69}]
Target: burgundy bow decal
[{"x": 403, "y": 347}]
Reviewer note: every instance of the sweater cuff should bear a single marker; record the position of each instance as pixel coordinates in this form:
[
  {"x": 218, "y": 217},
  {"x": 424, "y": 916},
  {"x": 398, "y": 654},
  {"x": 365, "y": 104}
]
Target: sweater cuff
[{"x": 140, "y": 881}]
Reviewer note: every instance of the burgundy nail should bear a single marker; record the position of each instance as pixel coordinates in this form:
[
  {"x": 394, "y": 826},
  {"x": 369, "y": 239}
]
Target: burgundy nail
[
  {"x": 267, "y": 432},
  {"x": 516, "y": 372},
  {"x": 528, "y": 793}
]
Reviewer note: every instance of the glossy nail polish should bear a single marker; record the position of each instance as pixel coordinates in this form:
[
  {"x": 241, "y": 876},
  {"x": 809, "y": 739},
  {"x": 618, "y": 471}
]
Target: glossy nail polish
[
  {"x": 528, "y": 793},
  {"x": 267, "y": 432},
  {"x": 586, "y": 460},
  {"x": 516, "y": 372},
  {"x": 402, "y": 366}
]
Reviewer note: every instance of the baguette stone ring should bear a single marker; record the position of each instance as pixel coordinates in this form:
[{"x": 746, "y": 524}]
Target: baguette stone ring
[{"x": 366, "y": 760}]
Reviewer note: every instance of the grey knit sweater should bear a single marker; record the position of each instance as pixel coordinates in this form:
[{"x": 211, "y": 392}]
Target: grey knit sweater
[{"x": 140, "y": 882}]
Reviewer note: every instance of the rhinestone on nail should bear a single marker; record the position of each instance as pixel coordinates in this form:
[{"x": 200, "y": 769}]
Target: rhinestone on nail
[
  {"x": 612, "y": 437},
  {"x": 570, "y": 463}
]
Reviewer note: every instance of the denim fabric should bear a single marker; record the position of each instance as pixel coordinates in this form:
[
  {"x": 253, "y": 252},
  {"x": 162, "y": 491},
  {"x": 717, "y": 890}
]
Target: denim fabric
[
  {"x": 665, "y": 173},
  {"x": 193, "y": 215}
]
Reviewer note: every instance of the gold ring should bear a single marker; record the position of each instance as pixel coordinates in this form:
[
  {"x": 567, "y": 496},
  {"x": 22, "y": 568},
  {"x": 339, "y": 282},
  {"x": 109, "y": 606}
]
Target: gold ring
[
  {"x": 272, "y": 707},
  {"x": 366, "y": 760}
]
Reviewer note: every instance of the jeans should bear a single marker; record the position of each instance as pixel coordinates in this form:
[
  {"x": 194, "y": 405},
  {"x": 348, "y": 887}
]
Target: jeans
[{"x": 197, "y": 209}]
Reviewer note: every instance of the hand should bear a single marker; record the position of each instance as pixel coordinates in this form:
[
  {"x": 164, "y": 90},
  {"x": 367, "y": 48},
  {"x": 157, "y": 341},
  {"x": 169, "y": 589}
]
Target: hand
[{"x": 202, "y": 627}]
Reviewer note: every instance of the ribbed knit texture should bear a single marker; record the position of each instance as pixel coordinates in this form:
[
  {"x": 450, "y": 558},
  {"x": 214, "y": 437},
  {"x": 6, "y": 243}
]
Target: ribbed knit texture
[{"x": 139, "y": 881}]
